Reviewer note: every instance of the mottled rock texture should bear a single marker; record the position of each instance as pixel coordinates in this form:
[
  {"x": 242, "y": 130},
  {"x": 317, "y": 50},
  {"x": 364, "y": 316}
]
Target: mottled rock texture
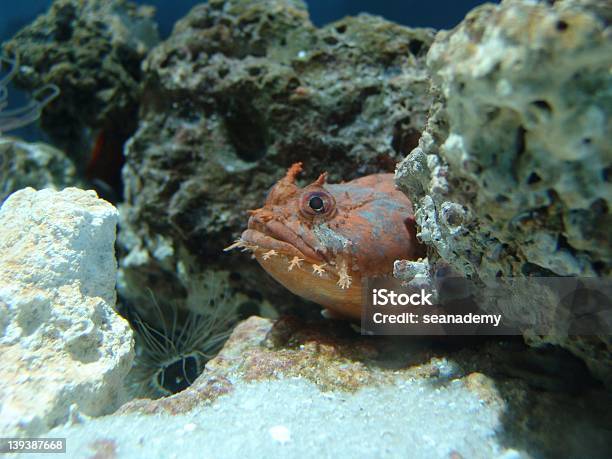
[
  {"x": 512, "y": 173},
  {"x": 241, "y": 90},
  {"x": 36, "y": 165},
  {"x": 64, "y": 349},
  {"x": 92, "y": 51}
]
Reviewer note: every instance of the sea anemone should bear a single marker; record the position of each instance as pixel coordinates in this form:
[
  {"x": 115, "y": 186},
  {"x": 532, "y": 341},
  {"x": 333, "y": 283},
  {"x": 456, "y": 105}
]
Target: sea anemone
[
  {"x": 26, "y": 114},
  {"x": 171, "y": 354}
]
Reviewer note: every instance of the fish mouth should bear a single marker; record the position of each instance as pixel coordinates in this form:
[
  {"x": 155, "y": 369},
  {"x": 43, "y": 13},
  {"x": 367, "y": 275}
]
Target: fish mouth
[{"x": 273, "y": 235}]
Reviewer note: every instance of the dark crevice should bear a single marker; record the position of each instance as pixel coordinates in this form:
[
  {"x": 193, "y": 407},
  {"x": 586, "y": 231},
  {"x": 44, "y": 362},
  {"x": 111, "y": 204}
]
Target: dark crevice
[
  {"x": 66, "y": 15},
  {"x": 352, "y": 109},
  {"x": 330, "y": 40},
  {"x": 104, "y": 167},
  {"x": 254, "y": 71},
  {"x": 248, "y": 309},
  {"x": 246, "y": 133},
  {"x": 533, "y": 178},
  {"x": 293, "y": 84},
  {"x": 415, "y": 47},
  {"x": 542, "y": 105},
  {"x": 520, "y": 141},
  {"x": 405, "y": 137},
  {"x": 599, "y": 267},
  {"x": 533, "y": 270},
  {"x": 599, "y": 206},
  {"x": 563, "y": 244},
  {"x": 500, "y": 198}
]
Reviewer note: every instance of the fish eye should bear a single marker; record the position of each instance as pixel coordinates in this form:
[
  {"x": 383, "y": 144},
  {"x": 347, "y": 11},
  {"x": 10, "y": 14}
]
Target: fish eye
[{"x": 315, "y": 203}]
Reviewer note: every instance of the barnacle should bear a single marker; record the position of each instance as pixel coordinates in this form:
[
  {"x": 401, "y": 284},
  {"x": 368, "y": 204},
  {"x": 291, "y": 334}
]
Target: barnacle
[
  {"x": 171, "y": 350},
  {"x": 26, "y": 114}
]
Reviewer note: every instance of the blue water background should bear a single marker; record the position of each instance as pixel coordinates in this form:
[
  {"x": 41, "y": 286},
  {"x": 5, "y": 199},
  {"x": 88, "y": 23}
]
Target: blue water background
[{"x": 439, "y": 14}]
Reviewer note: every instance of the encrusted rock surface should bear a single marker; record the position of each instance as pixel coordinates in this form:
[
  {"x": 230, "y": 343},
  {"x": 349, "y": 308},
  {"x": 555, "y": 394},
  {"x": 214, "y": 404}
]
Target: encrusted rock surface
[
  {"x": 92, "y": 51},
  {"x": 512, "y": 174},
  {"x": 317, "y": 389},
  {"x": 64, "y": 350},
  {"x": 241, "y": 90},
  {"x": 36, "y": 165}
]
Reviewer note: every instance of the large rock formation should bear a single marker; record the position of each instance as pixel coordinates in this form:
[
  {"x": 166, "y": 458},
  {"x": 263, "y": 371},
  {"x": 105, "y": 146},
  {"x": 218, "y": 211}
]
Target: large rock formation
[
  {"x": 512, "y": 174},
  {"x": 64, "y": 350},
  {"x": 241, "y": 90},
  {"x": 92, "y": 51}
]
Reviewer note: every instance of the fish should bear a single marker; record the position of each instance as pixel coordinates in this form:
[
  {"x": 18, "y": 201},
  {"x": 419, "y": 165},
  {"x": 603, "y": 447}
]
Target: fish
[{"x": 323, "y": 241}]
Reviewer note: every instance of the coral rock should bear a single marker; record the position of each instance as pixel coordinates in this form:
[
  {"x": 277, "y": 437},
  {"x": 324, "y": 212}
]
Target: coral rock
[
  {"x": 36, "y": 165},
  {"x": 512, "y": 174},
  {"x": 64, "y": 349},
  {"x": 92, "y": 51}
]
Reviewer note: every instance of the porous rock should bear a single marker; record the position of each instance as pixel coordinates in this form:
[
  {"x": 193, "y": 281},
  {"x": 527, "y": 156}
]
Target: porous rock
[
  {"x": 64, "y": 350},
  {"x": 36, "y": 165},
  {"x": 240, "y": 91},
  {"x": 92, "y": 51},
  {"x": 512, "y": 174}
]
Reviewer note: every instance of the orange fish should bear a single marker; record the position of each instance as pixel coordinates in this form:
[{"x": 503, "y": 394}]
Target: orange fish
[{"x": 323, "y": 240}]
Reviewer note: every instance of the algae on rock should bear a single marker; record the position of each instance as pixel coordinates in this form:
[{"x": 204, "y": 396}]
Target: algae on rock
[{"x": 36, "y": 165}]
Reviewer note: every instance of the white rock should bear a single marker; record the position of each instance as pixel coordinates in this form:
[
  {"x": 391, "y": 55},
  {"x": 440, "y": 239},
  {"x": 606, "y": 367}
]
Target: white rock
[{"x": 61, "y": 341}]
